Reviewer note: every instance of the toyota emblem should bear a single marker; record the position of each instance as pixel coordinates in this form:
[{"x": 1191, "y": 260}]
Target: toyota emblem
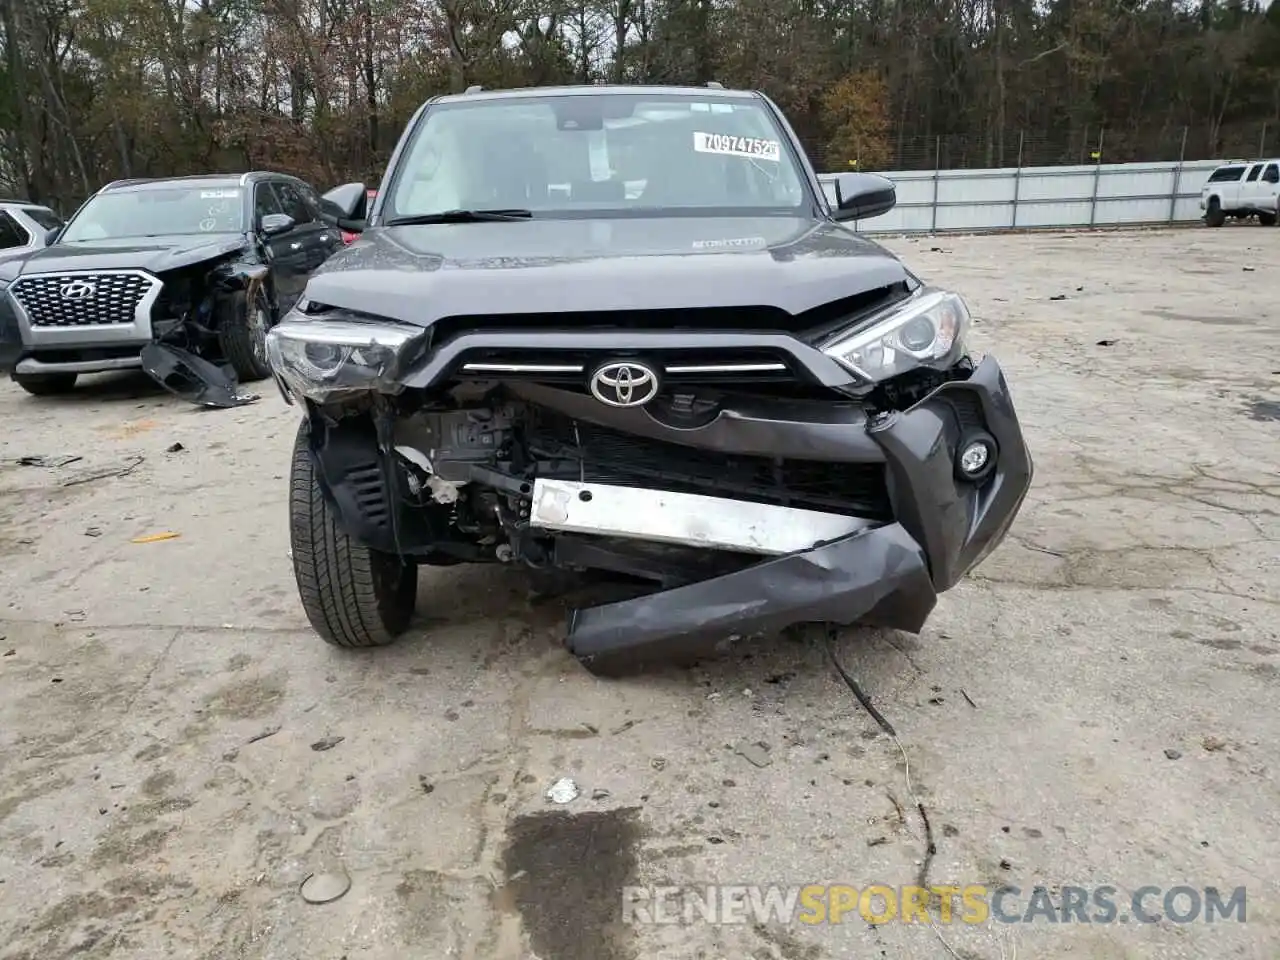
[
  {"x": 624, "y": 384},
  {"x": 78, "y": 290}
]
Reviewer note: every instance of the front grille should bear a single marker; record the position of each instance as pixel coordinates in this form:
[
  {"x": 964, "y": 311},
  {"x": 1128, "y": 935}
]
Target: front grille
[
  {"x": 82, "y": 299},
  {"x": 593, "y": 453},
  {"x": 572, "y": 368},
  {"x": 765, "y": 371}
]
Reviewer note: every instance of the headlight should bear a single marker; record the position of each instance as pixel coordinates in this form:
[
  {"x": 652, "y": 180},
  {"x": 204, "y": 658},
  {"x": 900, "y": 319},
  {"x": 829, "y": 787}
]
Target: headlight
[
  {"x": 926, "y": 330},
  {"x": 324, "y": 359}
]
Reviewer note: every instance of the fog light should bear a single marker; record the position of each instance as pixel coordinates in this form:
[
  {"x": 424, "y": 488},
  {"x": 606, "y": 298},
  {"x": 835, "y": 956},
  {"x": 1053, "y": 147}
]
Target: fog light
[{"x": 977, "y": 457}]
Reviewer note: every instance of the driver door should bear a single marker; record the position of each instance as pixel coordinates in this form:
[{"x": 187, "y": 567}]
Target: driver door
[
  {"x": 1269, "y": 188},
  {"x": 285, "y": 252}
]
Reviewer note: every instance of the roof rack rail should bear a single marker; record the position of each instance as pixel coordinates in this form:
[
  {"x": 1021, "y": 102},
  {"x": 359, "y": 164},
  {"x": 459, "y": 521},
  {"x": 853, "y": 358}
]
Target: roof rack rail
[
  {"x": 715, "y": 84},
  {"x": 474, "y": 88}
]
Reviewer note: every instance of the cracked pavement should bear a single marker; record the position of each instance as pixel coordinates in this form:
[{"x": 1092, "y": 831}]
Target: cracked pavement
[{"x": 1091, "y": 706}]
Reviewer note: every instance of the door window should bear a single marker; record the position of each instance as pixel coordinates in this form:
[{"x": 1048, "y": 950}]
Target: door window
[
  {"x": 11, "y": 234},
  {"x": 1271, "y": 174},
  {"x": 311, "y": 199},
  {"x": 265, "y": 201},
  {"x": 1253, "y": 173},
  {"x": 292, "y": 201}
]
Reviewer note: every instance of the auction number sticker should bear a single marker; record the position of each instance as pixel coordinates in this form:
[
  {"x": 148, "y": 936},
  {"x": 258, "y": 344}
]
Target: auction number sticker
[
  {"x": 219, "y": 194},
  {"x": 731, "y": 145}
]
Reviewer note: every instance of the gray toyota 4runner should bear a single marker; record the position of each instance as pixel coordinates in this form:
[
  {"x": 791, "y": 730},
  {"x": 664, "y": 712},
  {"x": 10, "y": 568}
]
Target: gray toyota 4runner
[{"x": 627, "y": 330}]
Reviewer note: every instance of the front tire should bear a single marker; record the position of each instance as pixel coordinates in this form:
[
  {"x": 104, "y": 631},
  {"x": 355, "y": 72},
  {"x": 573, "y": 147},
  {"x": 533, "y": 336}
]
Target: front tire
[
  {"x": 354, "y": 596},
  {"x": 242, "y": 334},
  {"x": 1214, "y": 217},
  {"x": 46, "y": 384}
]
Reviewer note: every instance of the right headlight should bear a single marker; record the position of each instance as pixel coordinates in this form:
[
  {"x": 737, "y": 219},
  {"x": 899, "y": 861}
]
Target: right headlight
[
  {"x": 324, "y": 359},
  {"x": 926, "y": 330}
]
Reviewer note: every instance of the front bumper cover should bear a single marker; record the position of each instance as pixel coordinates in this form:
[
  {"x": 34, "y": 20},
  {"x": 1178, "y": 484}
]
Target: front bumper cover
[{"x": 889, "y": 576}]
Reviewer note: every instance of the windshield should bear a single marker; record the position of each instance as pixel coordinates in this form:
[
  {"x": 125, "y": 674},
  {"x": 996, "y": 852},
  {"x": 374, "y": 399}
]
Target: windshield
[
  {"x": 581, "y": 155},
  {"x": 153, "y": 212}
]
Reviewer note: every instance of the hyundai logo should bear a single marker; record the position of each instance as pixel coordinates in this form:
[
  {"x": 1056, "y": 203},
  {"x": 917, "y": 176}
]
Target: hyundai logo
[
  {"x": 624, "y": 384},
  {"x": 78, "y": 290}
]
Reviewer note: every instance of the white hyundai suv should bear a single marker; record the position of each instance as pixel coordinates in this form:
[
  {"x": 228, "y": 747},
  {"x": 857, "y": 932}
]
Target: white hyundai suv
[
  {"x": 24, "y": 226},
  {"x": 1242, "y": 189}
]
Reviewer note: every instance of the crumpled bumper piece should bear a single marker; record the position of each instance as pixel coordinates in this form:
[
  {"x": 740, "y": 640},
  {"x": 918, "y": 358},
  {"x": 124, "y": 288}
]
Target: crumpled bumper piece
[
  {"x": 876, "y": 576},
  {"x": 942, "y": 527},
  {"x": 958, "y": 524},
  {"x": 193, "y": 378}
]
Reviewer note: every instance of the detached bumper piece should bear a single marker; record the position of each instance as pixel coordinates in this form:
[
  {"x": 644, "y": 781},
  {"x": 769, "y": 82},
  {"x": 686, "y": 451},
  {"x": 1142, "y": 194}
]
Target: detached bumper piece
[
  {"x": 840, "y": 582},
  {"x": 951, "y": 508},
  {"x": 193, "y": 378}
]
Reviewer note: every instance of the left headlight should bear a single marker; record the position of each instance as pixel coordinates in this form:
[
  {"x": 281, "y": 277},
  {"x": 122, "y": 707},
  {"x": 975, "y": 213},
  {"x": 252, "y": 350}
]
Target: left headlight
[
  {"x": 324, "y": 359},
  {"x": 926, "y": 330}
]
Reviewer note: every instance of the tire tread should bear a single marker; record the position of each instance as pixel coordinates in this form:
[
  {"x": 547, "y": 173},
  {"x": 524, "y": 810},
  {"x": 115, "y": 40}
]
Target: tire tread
[
  {"x": 233, "y": 337},
  {"x": 337, "y": 582}
]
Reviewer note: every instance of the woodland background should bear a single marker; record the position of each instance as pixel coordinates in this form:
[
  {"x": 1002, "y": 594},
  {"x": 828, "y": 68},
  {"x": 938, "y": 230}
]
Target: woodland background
[{"x": 91, "y": 90}]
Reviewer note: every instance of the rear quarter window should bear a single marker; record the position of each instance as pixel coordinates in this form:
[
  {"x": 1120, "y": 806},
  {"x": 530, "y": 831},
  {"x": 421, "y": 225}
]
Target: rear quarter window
[
  {"x": 43, "y": 216},
  {"x": 1226, "y": 174},
  {"x": 11, "y": 234}
]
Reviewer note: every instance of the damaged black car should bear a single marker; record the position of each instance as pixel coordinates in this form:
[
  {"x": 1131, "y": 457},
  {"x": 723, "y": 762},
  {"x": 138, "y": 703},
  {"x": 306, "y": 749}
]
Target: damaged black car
[
  {"x": 630, "y": 331},
  {"x": 182, "y": 277}
]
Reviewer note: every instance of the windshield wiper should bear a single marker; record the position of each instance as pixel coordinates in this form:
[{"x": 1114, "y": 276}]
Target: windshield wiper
[{"x": 460, "y": 216}]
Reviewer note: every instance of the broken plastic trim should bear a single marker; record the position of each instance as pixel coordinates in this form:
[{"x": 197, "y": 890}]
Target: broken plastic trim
[
  {"x": 877, "y": 576},
  {"x": 192, "y": 378}
]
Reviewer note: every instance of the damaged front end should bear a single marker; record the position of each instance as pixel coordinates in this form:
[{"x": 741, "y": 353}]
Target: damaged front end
[
  {"x": 172, "y": 323},
  {"x": 741, "y": 482},
  {"x": 187, "y": 355}
]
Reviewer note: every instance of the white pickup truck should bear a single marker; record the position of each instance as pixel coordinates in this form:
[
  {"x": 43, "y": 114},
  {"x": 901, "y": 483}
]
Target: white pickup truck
[{"x": 1242, "y": 189}]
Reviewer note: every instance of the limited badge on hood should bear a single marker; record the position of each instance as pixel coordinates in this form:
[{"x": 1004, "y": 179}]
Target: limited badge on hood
[{"x": 731, "y": 243}]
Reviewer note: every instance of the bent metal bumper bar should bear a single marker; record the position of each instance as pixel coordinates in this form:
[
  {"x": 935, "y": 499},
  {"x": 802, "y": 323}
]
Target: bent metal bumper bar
[{"x": 690, "y": 519}]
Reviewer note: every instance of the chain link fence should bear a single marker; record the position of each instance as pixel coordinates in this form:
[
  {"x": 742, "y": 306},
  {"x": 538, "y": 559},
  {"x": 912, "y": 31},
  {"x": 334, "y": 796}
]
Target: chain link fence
[{"x": 1086, "y": 145}]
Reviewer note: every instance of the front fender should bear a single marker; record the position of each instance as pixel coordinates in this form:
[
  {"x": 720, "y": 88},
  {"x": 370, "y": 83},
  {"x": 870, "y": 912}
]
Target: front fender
[{"x": 233, "y": 277}]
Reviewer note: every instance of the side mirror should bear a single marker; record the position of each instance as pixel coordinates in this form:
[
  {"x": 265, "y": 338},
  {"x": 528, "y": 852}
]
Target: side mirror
[
  {"x": 348, "y": 202},
  {"x": 859, "y": 196},
  {"x": 275, "y": 223}
]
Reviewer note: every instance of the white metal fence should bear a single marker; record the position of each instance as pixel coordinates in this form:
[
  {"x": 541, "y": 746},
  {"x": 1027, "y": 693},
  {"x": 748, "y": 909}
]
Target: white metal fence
[{"x": 1092, "y": 195}]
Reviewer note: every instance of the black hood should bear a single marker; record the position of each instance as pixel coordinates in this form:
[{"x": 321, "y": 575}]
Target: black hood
[
  {"x": 422, "y": 273},
  {"x": 153, "y": 254}
]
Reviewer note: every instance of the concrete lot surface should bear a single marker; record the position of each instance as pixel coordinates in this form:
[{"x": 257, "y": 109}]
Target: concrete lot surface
[{"x": 1096, "y": 705}]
